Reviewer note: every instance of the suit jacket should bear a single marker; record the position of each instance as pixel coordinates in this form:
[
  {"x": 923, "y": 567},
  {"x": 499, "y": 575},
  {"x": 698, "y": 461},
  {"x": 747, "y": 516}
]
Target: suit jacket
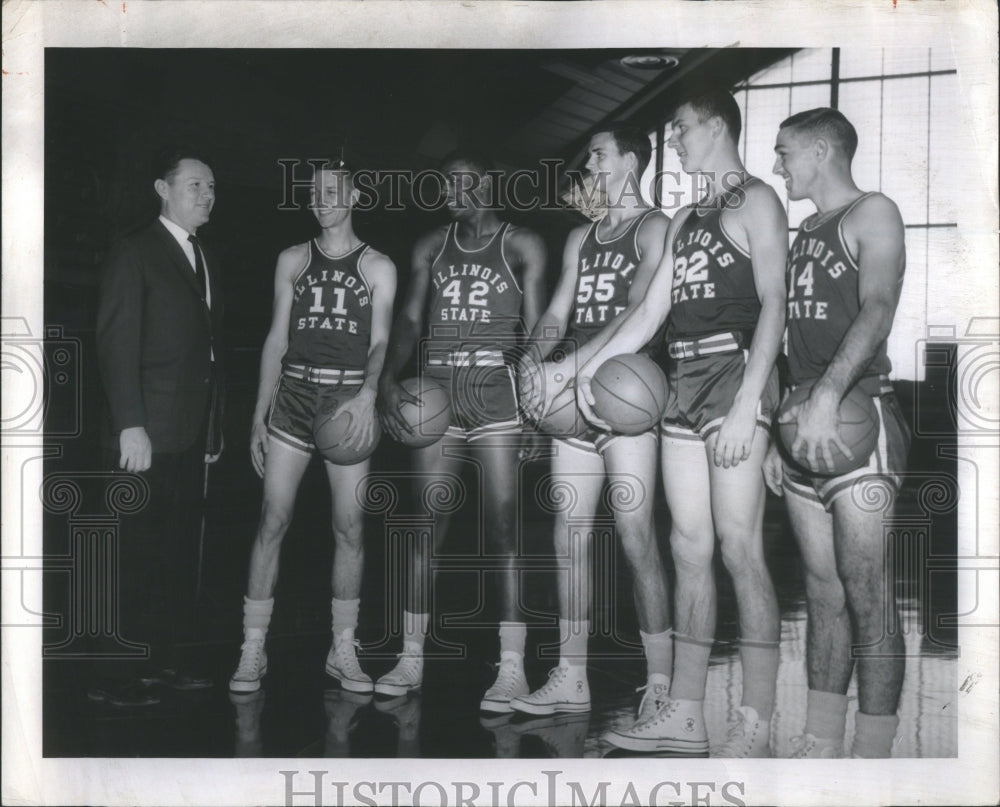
[{"x": 155, "y": 339}]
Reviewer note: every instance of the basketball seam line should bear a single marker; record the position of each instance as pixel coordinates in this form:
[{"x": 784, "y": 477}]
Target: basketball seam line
[{"x": 619, "y": 397}]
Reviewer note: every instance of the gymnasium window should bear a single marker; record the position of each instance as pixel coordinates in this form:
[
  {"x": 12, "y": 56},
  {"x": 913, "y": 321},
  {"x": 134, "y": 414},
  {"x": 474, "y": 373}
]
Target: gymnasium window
[{"x": 905, "y": 104}]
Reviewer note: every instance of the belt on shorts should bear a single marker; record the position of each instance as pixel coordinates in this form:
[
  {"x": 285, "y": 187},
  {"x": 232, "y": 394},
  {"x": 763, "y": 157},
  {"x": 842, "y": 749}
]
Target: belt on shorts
[
  {"x": 706, "y": 346},
  {"x": 467, "y": 358},
  {"x": 323, "y": 375}
]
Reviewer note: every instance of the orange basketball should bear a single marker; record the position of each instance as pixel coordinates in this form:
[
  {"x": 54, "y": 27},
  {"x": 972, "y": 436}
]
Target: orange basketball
[
  {"x": 630, "y": 392},
  {"x": 329, "y": 432},
  {"x": 429, "y": 421},
  {"x": 859, "y": 429}
]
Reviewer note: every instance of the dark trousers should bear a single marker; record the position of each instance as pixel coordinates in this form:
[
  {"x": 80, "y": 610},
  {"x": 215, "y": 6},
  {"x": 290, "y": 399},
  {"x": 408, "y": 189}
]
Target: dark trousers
[{"x": 158, "y": 559}]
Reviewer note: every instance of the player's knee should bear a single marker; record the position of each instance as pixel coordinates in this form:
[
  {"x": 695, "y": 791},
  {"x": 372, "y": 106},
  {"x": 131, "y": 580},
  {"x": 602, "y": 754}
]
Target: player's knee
[
  {"x": 274, "y": 521},
  {"x": 739, "y": 552},
  {"x": 824, "y": 587},
  {"x": 692, "y": 548}
]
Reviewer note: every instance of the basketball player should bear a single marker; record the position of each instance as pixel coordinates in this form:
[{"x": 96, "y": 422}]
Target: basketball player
[
  {"x": 329, "y": 328},
  {"x": 845, "y": 271},
  {"x": 606, "y": 265},
  {"x": 484, "y": 279},
  {"x": 722, "y": 282}
]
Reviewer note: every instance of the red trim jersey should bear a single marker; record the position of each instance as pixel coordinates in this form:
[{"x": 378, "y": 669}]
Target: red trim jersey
[
  {"x": 822, "y": 282},
  {"x": 331, "y": 317},
  {"x": 476, "y": 303},
  {"x": 713, "y": 289},
  {"x": 605, "y": 271}
]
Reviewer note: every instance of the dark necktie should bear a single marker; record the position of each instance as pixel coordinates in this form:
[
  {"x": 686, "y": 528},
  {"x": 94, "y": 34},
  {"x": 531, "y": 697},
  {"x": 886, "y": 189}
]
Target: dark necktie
[{"x": 199, "y": 265}]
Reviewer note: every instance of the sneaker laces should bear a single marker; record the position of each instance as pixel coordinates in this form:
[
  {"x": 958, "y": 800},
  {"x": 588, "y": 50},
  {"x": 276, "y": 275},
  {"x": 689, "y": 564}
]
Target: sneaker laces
[
  {"x": 737, "y": 739},
  {"x": 347, "y": 659},
  {"x": 408, "y": 665},
  {"x": 249, "y": 665},
  {"x": 508, "y": 675},
  {"x": 556, "y": 676},
  {"x": 657, "y": 693},
  {"x": 661, "y": 714}
]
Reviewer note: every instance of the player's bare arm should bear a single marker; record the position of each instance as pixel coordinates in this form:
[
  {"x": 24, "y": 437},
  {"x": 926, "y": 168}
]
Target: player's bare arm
[
  {"x": 762, "y": 222},
  {"x": 874, "y": 233},
  {"x": 549, "y": 328},
  {"x": 290, "y": 263},
  {"x": 405, "y": 332},
  {"x": 637, "y": 324},
  {"x": 380, "y": 274},
  {"x": 527, "y": 249}
]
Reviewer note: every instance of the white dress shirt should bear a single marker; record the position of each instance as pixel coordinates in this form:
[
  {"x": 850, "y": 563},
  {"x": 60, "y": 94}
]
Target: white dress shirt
[{"x": 181, "y": 235}]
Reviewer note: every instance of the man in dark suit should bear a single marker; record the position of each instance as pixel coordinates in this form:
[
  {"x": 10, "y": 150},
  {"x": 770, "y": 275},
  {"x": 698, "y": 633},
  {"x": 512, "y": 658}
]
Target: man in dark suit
[{"x": 158, "y": 348}]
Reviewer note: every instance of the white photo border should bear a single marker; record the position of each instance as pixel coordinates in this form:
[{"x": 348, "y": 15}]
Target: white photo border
[{"x": 967, "y": 28}]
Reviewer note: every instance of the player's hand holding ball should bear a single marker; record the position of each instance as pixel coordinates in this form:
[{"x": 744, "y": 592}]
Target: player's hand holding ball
[
  {"x": 626, "y": 395},
  {"x": 391, "y": 396},
  {"x": 346, "y": 432},
  {"x": 363, "y": 424},
  {"x": 422, "y": 412},
  {"x": 824, "y": 434}
]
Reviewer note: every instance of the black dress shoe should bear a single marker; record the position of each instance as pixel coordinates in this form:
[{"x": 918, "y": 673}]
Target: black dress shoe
[
  {"x": 127, "y": 694},
  {"x": 169, "y": 677}
]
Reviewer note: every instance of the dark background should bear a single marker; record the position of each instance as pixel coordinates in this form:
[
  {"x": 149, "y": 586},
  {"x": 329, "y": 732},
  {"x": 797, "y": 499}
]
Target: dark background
[{"x": 107, "y": 111}]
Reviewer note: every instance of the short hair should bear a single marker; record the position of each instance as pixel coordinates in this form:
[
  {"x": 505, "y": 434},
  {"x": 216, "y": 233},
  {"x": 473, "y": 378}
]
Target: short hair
[
  {"x": 825, "y": 122},
  {"x": 716, "y": 103},
  {"x": 168, "y": 160},
  {"x": 475, "y": 159},
  {"x": 630, "y": 139},
  {"x": 337, "y": 164}
]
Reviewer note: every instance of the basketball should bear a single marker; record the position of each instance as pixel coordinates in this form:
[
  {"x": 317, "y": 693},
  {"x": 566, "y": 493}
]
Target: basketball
[
  {"x": 630, "y": 392},
  {"x": 859, "y": 428},
  {"x": 329, "y": 432},
  {"x": 430, "y": 421},
  {"x": 563, "y": 419}
]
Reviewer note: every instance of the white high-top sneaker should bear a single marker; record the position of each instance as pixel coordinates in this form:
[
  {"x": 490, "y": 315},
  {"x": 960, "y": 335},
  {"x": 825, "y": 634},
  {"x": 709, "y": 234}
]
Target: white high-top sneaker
[
  {"x": 252, "y": 666},
  {"x": 748, "y": 737},
  {"x": 342, "y": 664},
  {"x": 510, "y": 684},
  {"x": 566, "y": 690},
  {"x": 406, "y": 676}
]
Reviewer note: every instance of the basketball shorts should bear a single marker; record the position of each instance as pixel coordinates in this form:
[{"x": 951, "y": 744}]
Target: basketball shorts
[
  {"x": 701, "y": 391},
  {"x": 886, "y": 465},
  {"x": 597, "y": 441},
  {"x": 302, "y": 393},
  {"x": 483, "y": 392}
]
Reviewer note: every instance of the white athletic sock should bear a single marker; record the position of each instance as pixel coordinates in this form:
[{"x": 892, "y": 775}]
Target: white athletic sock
[
  {"x": 760, "y": 675},
  {"x": 826, "y": 714},
  {"x": 415, "y": 628},
  {"x": 873, "y": 735},
  {"x": 512, "y": 637},
  {"x": 659, "y": 650},
  {"x": 573, "y": 642},
  {"x": 690, "y": 667},
  {"x": 257, "y": 614},
  {"x": 345, "y": 615}
]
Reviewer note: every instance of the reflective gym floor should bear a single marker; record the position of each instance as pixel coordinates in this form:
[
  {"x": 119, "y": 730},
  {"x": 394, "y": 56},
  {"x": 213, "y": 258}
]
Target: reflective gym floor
[{"x": 301, "y": 713}]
